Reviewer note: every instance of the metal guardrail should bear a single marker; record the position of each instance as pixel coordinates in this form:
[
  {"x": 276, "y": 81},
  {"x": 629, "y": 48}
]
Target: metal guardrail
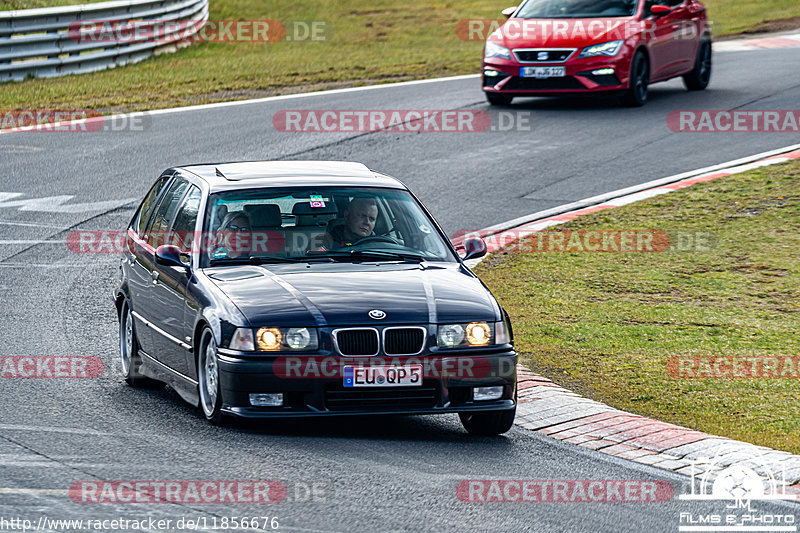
[{"x": 44, "y": 42}]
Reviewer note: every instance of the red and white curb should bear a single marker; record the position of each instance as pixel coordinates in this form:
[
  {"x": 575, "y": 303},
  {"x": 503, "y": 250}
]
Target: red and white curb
[
  {"x": 776, "y": 41},
  {"x": 555, "y": 411},
  {"x": 499, "y": 235}
]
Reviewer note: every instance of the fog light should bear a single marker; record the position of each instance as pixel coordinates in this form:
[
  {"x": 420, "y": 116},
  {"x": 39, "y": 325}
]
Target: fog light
[
  {"x": 603, "y": 71},
  {"x": 267, "y": 400},
  {"x": 480, "y": 394},
  {"x": 491, "y": 73}
]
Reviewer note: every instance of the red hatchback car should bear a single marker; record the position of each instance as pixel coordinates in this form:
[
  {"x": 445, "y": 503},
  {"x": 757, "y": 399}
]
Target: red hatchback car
[{"x": 556, "y": 47}]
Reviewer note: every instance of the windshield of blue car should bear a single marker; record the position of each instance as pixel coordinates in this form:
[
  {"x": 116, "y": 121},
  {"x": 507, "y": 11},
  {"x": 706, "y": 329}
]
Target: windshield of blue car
[
  {"x": 544, "y": 9},
  {"x": 264, "y": 225}
]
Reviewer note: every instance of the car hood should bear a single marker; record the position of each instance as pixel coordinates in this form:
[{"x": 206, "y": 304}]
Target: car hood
[
  {"x": 336, "y": 294},
  {"x": 563, "y": 33}
]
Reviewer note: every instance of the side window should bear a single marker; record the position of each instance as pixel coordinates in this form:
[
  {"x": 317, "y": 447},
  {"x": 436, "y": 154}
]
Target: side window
[
  {"x": 165, "y": 211},
  {"x": 182, "y": 232},
  {"x": 140, "y": 218}
]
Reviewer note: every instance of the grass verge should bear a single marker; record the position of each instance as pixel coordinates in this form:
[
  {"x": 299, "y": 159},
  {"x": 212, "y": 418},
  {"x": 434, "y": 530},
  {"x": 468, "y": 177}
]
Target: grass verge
[
  {"x": 11, "y": 5},
  {"x": 371, "y": 42},
  {"x": 605, "y": 324}
]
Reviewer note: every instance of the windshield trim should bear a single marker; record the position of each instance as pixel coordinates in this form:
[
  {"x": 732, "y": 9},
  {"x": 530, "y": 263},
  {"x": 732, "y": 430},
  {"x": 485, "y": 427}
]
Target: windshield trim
[{"x": 573, "y": 17}]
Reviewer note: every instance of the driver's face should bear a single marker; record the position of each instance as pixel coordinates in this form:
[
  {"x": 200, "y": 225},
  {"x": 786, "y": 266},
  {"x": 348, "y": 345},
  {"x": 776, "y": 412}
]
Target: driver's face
[{"x": 360, "y": 219}]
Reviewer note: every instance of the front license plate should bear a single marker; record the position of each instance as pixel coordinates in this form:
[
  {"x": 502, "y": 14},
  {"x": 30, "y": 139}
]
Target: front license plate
[
  {"x": 542, "y": 72},
  {"x": 383, "y": 376}
]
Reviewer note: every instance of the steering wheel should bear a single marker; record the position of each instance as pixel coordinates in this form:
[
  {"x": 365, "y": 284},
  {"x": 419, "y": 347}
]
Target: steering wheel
[{"x": 376, "y": 238}]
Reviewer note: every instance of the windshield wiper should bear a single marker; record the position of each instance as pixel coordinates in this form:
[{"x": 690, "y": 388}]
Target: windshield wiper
[
  {"x": 261, "y": 259},
  {"x": 374, "y": 254}
]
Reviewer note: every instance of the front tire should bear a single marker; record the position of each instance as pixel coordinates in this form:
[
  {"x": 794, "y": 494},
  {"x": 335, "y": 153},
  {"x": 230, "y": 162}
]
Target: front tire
[
  {"x": 498, "y": 99},
  {"x": 129, "y": 350},
  {"x": 636, "y": 95},
  {"x": 700, "y": 76},
  {"x": 488, "y": 423},
  {"x": 208, "y": 379}
]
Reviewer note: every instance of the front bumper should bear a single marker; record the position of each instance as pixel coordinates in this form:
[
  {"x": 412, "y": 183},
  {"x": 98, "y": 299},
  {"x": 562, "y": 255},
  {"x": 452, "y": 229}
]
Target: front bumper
[
  {"x": 321, "y": 393},
  {"x": 580, "y": 76}
]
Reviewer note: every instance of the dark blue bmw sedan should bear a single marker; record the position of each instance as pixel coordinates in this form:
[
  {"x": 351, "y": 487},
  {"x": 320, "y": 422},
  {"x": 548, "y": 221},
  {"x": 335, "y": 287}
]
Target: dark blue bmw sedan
[{"x": 280, "y": 289}]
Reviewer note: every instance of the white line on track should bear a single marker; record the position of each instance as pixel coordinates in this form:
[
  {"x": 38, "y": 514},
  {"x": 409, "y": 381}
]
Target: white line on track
[
  {"x": 32, "y": 241},
  {"x": 38, "y": 265},
  {"x": 29, "y": 224},
  {"x": 14, "y": 490},
  {"x": 48, "y": 429},
  {"x": 247, "y": 102},
  {"x": 737, "y": 165}
]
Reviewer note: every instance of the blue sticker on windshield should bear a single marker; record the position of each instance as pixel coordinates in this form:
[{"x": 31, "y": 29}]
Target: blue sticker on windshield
[
  {"x": 316, "y": 200},
  {"x": 219, "y": 253}
]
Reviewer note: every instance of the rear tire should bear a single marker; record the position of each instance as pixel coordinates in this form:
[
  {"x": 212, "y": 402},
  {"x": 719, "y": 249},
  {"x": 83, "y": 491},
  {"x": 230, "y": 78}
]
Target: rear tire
[
  {"x": 208, "y": 383},
  {"x": 636, "y": 94},
  {"x": 129, "y": 350},
  {"x": 700, "y": 76},
  {"x": 488, "y": 423},
  {"x": 498, "y": 99}
]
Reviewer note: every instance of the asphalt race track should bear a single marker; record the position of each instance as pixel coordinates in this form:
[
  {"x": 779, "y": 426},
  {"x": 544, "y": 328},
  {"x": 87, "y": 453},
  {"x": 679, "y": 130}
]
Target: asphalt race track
[{"x": 372, "y": 474}]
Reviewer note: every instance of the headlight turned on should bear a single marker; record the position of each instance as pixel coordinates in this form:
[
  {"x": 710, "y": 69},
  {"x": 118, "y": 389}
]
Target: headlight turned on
[
  {"x": 472, "y": 334},
  {"x": 275, "y": 339}
]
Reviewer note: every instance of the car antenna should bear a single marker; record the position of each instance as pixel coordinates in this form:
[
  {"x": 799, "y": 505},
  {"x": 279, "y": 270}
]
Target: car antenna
[{"x": 219, "y": 173}]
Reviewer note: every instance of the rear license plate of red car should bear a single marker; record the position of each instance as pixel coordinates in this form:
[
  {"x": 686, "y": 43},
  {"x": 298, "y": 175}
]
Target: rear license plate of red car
[{"x": 542, "y": 72}]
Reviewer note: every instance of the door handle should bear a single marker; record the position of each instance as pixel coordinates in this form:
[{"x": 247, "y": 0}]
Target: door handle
[{"x": 154, "y": 275}]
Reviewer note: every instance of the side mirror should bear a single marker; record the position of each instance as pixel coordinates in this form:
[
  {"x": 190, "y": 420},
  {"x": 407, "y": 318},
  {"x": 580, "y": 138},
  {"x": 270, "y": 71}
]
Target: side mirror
[
  {"x": 659, "y": 10},
  {"x": 474, "y": 248},
  {"x": 169, "y": 255},
  {"x": 507, "y": 12}
]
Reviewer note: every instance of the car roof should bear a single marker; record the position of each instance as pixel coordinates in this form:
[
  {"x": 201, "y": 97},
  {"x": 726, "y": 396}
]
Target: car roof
[{"x": 259, "y": 174}]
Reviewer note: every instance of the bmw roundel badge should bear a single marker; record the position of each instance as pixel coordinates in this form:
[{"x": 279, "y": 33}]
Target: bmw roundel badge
[{"x": 377, "y": 314}]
